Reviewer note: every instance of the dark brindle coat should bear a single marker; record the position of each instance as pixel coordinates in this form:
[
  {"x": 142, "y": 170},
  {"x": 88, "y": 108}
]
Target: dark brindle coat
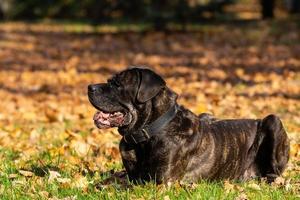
[{"x": 189, "y": 147}]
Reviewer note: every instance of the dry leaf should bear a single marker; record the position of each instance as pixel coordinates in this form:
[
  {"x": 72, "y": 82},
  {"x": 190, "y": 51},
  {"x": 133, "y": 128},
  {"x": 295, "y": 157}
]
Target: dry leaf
[
  {"x": 63, "y": 180},
  {"x": 44, "y": 194},
  {"x": 228, "y": 186},
  {"x": 26, "y": 173},
  {"x": 66, "y": 198},
  {"x": 53, "y": 175},
  {"x": 295, "y": 150},
  {"x": 279, "y": 181},
  {"x": 12, "y": 176},
  {"x": 254, "y": 186},
  {"x": 242, "y": 196},
  {"x": 19, "y": 182},
  {"x": 166, "y": 197},
  {"x": 81, "y": 147},
  {"x": 80, "y": 181}
]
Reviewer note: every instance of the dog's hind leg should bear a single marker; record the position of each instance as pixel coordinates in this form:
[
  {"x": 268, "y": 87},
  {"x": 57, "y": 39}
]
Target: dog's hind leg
[{"x": 273, "y": 153}]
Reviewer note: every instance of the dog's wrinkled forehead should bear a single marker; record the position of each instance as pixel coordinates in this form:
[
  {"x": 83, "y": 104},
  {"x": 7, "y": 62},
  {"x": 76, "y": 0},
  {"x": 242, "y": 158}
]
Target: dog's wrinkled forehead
[
  {"x": 126, "y": 78},
  {"x": 143, "y": 84}
]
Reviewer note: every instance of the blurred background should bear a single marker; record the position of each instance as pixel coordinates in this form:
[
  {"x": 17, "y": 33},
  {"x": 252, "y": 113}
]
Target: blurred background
[
  {"x": 157, "y": 12},
  {"x": 231, "y": 58}
]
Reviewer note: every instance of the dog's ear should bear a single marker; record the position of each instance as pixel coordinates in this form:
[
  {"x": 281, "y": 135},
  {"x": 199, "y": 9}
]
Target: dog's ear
[{"x": 150, "y": 85}]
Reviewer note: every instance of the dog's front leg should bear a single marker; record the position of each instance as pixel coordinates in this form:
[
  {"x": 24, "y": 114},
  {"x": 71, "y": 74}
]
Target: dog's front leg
[{"x": 129, "y": 160}]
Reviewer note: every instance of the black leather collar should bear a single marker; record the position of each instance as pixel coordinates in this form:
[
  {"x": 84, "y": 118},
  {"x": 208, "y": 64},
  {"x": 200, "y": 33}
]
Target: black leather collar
[{"x": 146, "y": 132}]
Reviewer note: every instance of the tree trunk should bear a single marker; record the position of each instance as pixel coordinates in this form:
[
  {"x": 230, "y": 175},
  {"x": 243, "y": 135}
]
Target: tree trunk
[
  {"x": 267, "y": 8},
  {"x": 293, "y": 6}
]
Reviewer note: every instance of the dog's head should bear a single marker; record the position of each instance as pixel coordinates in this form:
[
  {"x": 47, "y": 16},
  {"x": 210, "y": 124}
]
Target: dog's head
[{"x": 130, "y": 98}]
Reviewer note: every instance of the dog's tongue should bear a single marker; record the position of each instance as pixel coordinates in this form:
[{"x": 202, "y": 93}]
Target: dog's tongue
[
  {"x": 107, "y": 120},
  {"x": 101, "y": 115}
]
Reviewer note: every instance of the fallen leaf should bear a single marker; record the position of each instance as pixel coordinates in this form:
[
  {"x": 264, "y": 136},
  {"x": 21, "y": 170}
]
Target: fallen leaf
[
  {"x": 26, "y": 173},
  {"x": 242, "y": 196},
  {"x": 44, "y": 194},
  {"x": 228, "y": 186},
  {"x": 53, "y": 175},
  {"x": 279, "y": 181},
  {"x": 80, "y": 181},
  {"x": 12, "y": 176},
  {"x": 65, "y": 198},
  {"x": 63, "y": 180},
  {"x": 81, "y": 147},
  {"x": 254, "y": 186},
  {"x": 166, "y": 197}
]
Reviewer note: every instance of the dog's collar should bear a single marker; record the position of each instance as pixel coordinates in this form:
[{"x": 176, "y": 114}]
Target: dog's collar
[{"x": 146, "y": 132}]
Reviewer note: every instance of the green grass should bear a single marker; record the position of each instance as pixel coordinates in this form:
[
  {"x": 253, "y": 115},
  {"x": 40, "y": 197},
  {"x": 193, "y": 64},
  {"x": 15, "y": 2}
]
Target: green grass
[
  {"x": 39, "y": 187},
  {"x": 27, "y": 189}
]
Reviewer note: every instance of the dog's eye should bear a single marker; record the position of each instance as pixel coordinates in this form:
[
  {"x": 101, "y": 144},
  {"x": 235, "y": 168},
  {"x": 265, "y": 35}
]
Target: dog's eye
[{"x": 114, "y": 83}]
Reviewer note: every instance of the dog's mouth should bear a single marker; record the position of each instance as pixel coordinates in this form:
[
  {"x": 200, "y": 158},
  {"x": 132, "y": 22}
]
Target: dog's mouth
[{"x": 105, "y": 120}]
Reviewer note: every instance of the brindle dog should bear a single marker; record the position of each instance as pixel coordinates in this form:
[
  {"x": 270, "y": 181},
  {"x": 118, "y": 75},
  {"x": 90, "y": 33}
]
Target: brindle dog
[{"x": 164, "y": 142}]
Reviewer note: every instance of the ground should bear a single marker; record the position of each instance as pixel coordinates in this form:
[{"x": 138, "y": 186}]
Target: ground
[{"x": 49, "y": 147}]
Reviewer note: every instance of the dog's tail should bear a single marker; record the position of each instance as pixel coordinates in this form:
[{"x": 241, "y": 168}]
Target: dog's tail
[{"x": 273, "y": 154}]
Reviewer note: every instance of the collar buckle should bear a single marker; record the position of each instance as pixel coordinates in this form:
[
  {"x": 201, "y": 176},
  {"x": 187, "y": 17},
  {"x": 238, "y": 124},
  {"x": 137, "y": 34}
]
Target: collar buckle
[{"x": 146, "y": 134}]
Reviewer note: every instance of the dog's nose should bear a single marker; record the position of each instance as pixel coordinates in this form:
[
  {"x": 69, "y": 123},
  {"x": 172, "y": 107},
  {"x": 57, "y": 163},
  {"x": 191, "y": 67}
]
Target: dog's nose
[{"x": 93, "y": 87}]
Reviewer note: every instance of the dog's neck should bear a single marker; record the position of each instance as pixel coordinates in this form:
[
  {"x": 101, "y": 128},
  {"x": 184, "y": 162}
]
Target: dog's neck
[
  {"x": 146, "y": 132},
  {"x": 154, "y": 109},
  {"x": 162, "y": 103}
]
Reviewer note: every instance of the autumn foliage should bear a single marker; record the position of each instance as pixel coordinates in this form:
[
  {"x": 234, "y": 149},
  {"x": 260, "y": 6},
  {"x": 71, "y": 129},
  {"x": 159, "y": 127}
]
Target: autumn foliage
[{"x": 46, "y": 126}]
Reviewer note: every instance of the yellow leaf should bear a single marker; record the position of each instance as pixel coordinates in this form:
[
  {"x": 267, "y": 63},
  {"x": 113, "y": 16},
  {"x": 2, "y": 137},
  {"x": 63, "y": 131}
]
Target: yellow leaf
[
  {"x": 80, "y": 147},
  {"x": 242, "y": 196},
  {"x": 166, "y": 197},
  {"x": 279, "y": 181},
  {"x": 201, "y": 108},
  {"x": 53, "y": 175},
  {"x": 80, "y": 182},
  {"x": 12, "y": 176},
  {"x": 26, "y": 173},
  {"x": 63, "y": 180},
  {"x": 295, "y": 150},
  {"x": 228, "y": 186},
  {"x": 44, "y": 194},
  {"x": 254, "y": 186}
]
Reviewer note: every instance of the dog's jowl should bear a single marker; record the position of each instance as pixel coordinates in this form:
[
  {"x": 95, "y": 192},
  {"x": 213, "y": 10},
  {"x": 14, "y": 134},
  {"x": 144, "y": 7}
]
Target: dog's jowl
[{"x": 163, "y": 141}]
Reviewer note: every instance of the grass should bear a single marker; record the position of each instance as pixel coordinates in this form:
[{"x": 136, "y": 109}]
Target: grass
[
  {"x": 25, "y": 189},
  {"x": 17, "y": 186}
]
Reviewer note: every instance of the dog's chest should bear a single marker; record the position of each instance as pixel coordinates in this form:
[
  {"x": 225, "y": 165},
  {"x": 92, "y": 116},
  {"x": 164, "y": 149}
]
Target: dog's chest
[{"x": 162, "y": 159}]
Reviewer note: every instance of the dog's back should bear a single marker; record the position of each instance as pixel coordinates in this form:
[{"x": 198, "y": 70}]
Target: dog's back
[
  {"x": 224, "y": 148},
  {"x": 246, "y": 148}
]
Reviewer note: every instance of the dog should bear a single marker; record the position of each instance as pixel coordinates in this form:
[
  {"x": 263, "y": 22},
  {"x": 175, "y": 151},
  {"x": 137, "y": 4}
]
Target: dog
[{"x": 165, "y": 142}]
